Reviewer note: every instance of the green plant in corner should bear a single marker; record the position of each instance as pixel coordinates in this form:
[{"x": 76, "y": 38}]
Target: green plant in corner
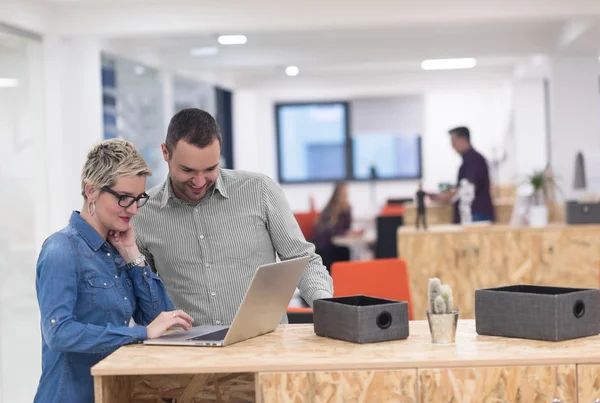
[{"x": 543, "y": 182}]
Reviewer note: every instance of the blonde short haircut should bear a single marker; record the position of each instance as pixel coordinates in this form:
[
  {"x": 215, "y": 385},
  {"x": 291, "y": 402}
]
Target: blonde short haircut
[{"x": 109, "y": 160}]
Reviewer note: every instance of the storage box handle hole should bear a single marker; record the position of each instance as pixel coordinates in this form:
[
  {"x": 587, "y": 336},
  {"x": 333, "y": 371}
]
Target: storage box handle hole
[
  {"x": 384, "y": 320},
  {"x": 579, "y": 309}
]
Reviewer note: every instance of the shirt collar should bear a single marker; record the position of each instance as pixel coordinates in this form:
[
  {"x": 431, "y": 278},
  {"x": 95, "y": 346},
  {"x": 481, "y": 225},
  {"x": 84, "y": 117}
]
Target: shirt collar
[
  {"x": 89, "y": 234},
  {"x": 220, "y": 185},
  {"x": 468, "y": 153},
  {"x": 167, "y": 193}
]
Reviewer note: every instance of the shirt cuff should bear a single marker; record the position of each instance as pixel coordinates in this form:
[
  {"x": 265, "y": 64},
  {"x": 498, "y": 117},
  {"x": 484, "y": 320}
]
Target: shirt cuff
[
  {"x": 144, "y": 273},
  {"x": 139, "y": 332},
  {"x": 319, "y": 294}
]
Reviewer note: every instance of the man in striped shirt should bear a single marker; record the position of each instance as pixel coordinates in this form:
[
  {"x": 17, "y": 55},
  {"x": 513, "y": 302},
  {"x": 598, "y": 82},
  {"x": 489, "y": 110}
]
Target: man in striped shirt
[{"x": 206, "y": 230}]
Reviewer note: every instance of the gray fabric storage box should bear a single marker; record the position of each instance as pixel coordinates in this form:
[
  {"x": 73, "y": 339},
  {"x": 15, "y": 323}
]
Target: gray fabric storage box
[
  {"x": 582, "y": 213},
  {"x": 538, "y": 312},
  {"x": 361, "y": 319}
]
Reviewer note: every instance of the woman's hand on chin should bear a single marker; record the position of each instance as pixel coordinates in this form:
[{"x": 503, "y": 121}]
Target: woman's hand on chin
[{"x": 124, "y": 243}]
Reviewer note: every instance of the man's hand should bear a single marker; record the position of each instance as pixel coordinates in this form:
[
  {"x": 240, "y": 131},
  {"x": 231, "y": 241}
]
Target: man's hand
[{"x": 446, "y": 196}]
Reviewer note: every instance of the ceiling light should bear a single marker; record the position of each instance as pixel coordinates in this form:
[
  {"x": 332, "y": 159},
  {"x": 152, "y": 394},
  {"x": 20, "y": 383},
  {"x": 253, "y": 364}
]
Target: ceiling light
[
  {"x": 232, "y": 39},
  {"x": 205, "y": 51},
  {"x": 9, "y": 82},
  {"x": 292, "y": 71},
  {"x": 139, "y": 70},
  {"x": 448, "y": 64}
]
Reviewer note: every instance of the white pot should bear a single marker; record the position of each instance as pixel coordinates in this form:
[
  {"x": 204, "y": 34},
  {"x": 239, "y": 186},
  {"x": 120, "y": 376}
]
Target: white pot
[{"x": 538, "y": 216}]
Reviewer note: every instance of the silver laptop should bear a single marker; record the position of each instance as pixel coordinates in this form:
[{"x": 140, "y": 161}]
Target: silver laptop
[{"x": 262, "y": 308}]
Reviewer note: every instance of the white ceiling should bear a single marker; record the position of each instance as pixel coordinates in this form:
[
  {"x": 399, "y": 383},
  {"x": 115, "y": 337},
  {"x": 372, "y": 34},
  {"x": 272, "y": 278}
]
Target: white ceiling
[
  {"x": 331, "y": 39},
  {"x": 498, "y": 47}
]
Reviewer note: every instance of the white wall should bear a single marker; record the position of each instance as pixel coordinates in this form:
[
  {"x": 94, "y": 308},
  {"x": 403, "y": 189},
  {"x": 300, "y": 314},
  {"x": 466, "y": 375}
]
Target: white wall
[
  {"x": 22, "y": 214},
  {"x": 484, "y": 107},
  {"x": 530, "y": 125},
  {"x": 575, "y": 119},
  {"x": 73, "y": 110}
]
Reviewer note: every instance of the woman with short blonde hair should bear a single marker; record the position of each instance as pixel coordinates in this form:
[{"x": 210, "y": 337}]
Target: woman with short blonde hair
[{"x": 92, "y": 281}]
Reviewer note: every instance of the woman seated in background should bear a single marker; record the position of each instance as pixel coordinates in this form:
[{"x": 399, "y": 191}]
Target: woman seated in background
[
  {"x": 92, "y": 280},
  {"x": 334, "y": 220}
]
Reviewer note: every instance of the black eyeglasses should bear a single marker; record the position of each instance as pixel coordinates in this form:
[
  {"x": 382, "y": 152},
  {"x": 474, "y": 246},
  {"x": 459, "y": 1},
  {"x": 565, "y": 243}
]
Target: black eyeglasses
[{"x": 126, "y": 200}]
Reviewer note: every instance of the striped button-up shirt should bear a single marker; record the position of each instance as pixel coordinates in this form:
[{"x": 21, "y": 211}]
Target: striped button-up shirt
[{"x": 206, "y": 254}]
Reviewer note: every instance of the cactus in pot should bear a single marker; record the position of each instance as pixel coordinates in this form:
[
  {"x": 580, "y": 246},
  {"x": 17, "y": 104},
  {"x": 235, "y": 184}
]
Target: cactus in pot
[
  {"x": 440, "y": 297},
  {"x": 442, "y": 315}
]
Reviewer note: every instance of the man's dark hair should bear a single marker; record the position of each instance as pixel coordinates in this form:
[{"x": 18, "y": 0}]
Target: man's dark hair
[
  {"x": 195, "y": 126},
  {"x": 462, "y": 132}
]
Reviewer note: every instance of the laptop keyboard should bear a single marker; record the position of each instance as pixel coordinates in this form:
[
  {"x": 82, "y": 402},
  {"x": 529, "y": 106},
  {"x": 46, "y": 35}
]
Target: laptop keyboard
[{"x": 213, "y": 336}]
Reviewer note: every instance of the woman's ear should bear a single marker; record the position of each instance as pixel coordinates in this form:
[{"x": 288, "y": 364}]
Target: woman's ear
[{"x": 90, "y": 192}]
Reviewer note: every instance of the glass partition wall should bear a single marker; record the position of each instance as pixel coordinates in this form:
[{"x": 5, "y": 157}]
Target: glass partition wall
[{"x": 22, "y": 182}]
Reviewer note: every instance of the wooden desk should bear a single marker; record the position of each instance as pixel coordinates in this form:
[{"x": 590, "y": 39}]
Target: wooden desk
[
  {"x": 292, "y": 364},
  {"x": 496, "y": 255},
  {"x": 357, "y": 244}
]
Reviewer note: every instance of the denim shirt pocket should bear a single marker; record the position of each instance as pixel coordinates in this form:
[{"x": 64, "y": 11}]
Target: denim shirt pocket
[{"x": 102, "y": 293}]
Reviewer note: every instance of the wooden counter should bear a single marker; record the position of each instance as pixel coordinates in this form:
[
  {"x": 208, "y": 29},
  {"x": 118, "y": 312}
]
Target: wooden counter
[
  {"x": 292, "y": 364},
  {"x": 442, "y": 213},
  {"x": 491, "y": 256}
]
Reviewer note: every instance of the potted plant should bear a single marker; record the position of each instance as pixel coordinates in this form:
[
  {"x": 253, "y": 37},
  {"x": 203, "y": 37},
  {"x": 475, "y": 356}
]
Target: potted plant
[
  {"x": 542, "y": 183},
  {"x": 442, "y": 315}
]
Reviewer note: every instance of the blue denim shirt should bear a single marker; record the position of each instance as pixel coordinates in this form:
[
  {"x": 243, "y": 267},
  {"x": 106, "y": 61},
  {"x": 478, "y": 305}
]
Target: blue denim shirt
[{"x": 86, "y": 300}]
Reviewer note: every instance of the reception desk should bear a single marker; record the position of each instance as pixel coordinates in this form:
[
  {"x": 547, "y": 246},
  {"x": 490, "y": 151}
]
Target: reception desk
[
  {"x": 491, "y": 256},
  {"x": 292, "y": 364}
]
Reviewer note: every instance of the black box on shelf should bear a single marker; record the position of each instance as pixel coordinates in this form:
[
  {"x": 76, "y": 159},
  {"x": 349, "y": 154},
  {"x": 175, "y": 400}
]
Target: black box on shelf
[
  {"x": 582, "y": 213},
  {"x": 361, "y": 319},
  {"x": 538, "y": 312}
]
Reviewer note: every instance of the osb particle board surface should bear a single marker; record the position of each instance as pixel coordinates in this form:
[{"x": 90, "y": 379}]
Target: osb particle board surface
[
  {"x": 493, "y": 256},
  {"x": 297, "y": 348}
]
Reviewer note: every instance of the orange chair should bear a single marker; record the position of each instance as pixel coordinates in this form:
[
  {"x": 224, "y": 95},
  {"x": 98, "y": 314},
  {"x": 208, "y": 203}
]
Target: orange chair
[
  {"x": 392, "y": 210},
  {"x": 306, "y": 221},
  {"x": 381, "y": 278}
]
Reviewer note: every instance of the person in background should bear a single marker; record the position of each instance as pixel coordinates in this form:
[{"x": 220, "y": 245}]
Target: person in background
[
  {"x": 206, "y": 230},
  {"x": 474, "y": 168},
  {"x": 421, "y": 210},
  {"x": 91, "y": 279},
  {"x": 334, "y": 220}
]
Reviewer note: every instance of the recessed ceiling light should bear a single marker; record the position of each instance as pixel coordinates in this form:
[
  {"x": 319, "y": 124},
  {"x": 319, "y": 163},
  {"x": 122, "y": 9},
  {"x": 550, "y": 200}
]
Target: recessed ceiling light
[
  {"x": 448, "y": 64},
  {"x": 8, "y": 82},
  {"x": 232, "y": 39},
  {"x": 204, "y": 51},
  {"x": 139, "y": 70},
  {"x": 292, "y": 71}
]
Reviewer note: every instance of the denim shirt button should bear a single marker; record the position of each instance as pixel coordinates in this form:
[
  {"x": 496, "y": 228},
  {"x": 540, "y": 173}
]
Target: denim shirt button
[
  {"x": 125, "y": 322},
  {"x": 53, "y": 321},
  {"x": 108, "y": 254},
  {"x": 125, "y": 298}
]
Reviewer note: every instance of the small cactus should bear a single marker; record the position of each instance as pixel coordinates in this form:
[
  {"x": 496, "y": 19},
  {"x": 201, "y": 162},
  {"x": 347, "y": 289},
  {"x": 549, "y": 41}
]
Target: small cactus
[
  {"x": 440, "y": 297},
  {"x": 439, "y": 305}
]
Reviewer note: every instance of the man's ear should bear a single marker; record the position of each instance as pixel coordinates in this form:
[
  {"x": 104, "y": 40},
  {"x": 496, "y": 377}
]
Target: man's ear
[{"x": 165, "y": 152}]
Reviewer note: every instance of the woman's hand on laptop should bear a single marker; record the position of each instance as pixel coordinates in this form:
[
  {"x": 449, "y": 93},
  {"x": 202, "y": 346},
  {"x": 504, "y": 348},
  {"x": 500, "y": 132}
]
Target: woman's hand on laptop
[{"x": 167, "y": 320}]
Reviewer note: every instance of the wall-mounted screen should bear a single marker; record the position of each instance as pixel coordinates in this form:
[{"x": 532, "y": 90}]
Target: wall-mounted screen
[{"x": 312, "y": 141}]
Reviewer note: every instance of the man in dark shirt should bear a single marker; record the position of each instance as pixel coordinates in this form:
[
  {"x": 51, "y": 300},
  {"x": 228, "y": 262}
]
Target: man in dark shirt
[{"x": 475, "y": 169}]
